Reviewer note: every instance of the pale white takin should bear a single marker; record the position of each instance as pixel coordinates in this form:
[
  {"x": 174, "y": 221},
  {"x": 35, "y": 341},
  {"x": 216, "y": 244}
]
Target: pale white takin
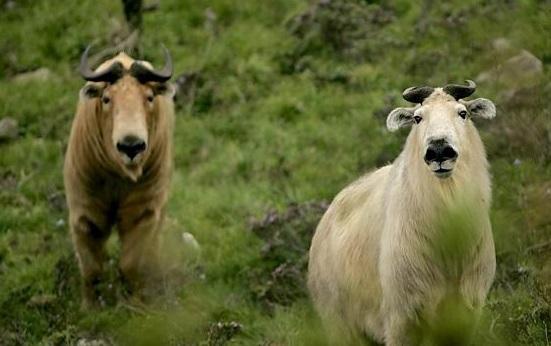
[{"x": 376, "y": 267}]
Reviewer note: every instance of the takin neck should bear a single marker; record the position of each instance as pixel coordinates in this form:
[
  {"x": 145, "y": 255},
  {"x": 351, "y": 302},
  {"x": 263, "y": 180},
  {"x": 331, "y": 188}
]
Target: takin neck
[
  {"x": 444, "y": 219},
  {"x": 469, "y": 182}
]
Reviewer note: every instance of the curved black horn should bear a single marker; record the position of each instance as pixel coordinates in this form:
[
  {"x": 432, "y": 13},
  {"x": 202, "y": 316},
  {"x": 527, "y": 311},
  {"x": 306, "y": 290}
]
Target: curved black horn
[
  {"x": 110, "y": 74},
  {"x": 460, "y": 91},
  {"x": 417, "y": 94},
  {"x": 144, "y": 74}
]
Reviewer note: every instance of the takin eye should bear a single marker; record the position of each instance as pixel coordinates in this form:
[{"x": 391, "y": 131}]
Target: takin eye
[
  {"x": 417, "y": 119},
  {"x": 463, "y": 113},
  {"x": 105, "y": 99},
  {"x": 150, "y": 98}
]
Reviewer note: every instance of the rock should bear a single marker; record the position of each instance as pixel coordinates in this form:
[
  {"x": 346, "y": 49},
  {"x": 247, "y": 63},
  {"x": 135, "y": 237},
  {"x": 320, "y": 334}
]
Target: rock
[
  {"x": 524, "y": 65},
  {"x": 40, "y": 300},
  {"x": 40, "y": 75},
  {"x": 192, "y": 248},
  {"x": 210, "y": 20},
  {"x": 60, "y": 223},
  {"x": 10, "y": 5},
  {"x": 521, "y": 70},
  {"x": 190, "y": 241},
  {"x": 92, "y": 342},
  {"x": 9, "y": 129},
  {"x": 501, "y": 45}
]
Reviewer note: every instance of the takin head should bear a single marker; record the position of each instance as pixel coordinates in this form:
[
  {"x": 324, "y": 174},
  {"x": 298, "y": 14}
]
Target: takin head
[
  {"x": 441, "y": 120},
  {"x": 126, "y": 93}
]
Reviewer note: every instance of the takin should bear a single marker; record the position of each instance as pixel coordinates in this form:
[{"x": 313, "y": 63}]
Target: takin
[
  {"x": 387, "y": 255},
  {"x": 117, "y": 169}
]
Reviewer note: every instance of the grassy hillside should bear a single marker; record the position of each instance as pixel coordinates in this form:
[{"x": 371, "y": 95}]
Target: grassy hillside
[{"x": 283, "y": 103}]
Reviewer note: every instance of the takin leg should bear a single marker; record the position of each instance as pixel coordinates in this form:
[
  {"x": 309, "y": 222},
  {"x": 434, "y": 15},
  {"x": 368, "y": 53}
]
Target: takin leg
[
  {"x": 398, "y": 330},
  {"x": 89, "y": 242},
  {"x": 404, "y": 311},
  {"x": 139, "y": 263},
  {"x": 444, "y": 319}
]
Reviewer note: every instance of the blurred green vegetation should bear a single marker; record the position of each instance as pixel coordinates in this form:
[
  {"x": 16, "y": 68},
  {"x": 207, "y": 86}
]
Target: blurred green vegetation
[{"x": 282, "y": 103}]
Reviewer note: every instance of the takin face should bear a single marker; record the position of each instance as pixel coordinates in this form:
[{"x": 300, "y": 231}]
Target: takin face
[
  {"x": 125, "y": 91},
  {"x": 441, "y": 121}
]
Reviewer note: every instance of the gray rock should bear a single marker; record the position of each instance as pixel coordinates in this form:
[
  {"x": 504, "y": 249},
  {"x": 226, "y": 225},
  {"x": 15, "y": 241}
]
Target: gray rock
[
  {"x": 9, "y": 129},
  {"x": 521, "y": 70},
  {"x": 42, "y": 74},
  {"x": 10, "y": 5},
  {"x": 41, "y": 300},
  {"x": 192, "y": 249},
  {"x": 501, "y": 45},
  {"x": 190, "y": 241},
  {"x": 93, "y": 342},
  {"x": 524, "y": 65}
]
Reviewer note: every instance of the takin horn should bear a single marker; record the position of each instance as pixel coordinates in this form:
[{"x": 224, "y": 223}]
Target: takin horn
[
  {"x": 144, "y": 74},
  {"x": 110, "y": 74},
  {"x": 417, "y": 94},
  {"x": 460, "y": 91}
]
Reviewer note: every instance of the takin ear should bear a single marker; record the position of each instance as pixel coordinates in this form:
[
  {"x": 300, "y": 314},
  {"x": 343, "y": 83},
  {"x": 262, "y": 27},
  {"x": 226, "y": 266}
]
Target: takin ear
[
  {"x": 399, "y": 117},
  {"x": 480, "y": 108},
  {"x": 165, "y": 89},
  {"x": 91, "y": 90}
]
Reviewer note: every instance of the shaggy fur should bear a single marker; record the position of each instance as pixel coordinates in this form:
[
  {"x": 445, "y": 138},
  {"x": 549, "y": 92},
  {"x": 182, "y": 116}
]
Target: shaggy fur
[
  {"x": 103, "y": 191},
  {"x": 373, "y": 270}
]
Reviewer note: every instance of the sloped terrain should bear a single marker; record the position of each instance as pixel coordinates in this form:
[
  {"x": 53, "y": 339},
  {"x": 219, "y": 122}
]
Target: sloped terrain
[{"x": 280, "y": 105}]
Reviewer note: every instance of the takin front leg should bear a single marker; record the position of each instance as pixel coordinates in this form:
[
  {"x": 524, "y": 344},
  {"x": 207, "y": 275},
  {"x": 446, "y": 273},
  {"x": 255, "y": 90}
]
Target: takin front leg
[
  {"x": 139, "y": 263},
  {"x": 398, "y": 330},
  {"x": 89, "y": 243}
]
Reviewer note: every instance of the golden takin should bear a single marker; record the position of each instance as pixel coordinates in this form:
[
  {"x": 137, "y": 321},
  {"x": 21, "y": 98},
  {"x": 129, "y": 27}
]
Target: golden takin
[{"x": 117, "y": 169}]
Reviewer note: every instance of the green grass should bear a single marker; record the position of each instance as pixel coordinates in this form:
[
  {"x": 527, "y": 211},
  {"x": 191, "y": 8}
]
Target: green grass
[{"x": 280, "y": 116}]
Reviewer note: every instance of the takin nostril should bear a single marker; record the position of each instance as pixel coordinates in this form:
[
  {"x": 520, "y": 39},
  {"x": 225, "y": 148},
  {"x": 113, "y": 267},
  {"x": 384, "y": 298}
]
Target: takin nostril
[
  {"x": 448, "y": 153},
  {"x": 439, "y": 151},
  {"x": 431, "y": 155},
  {"x": 131, "y": 146}
]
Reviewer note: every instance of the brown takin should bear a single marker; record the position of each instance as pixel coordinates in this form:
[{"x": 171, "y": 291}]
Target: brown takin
[
  {"x": 395, "y": 247},
  {"x": 117, "y": 169}
]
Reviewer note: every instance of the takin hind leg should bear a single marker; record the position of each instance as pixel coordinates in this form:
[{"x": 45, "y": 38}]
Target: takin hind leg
[
  {"x": 89, "y": 242},
  {"x": 139, "y": 263}
]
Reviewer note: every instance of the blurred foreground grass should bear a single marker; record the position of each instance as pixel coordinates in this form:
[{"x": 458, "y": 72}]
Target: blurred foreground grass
[{"x": 281, "y": 104}]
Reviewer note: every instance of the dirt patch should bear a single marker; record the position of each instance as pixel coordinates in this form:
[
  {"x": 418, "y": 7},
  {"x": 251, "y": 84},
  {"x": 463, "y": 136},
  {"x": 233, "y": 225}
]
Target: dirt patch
[{"x": 279, "y": 278}]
